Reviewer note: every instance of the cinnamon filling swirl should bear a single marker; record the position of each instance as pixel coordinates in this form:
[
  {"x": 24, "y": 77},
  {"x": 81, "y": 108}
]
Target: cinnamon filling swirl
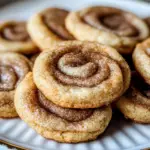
[
  {"x": 116, "y": 22},
  {"x": 8, "y": 78},
  {"x": 12, "y": 71},
  {"x": 11, "y": 75},
  {"x": 54, "y": 19},
  {"x": 81, "y": 68},
  {"x": 15, "y": 32},
  {"x": 139, "y": 91},
  {"x": 65, "y": 113}
]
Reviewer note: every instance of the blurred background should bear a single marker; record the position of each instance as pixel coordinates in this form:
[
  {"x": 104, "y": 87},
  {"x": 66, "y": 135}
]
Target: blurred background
[{"x": 5, "y": 2}]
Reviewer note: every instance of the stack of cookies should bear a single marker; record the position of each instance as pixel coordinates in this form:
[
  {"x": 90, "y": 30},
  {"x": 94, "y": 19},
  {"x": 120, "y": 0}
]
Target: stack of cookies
[
  {"x": 67, "y": 96},
  {"x": 135, "y": 103},
  {"x": 62, "y": 71}
]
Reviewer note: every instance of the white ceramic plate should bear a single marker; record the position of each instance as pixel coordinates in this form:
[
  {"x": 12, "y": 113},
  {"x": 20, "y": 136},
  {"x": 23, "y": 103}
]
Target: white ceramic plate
[{"x": 121, "y": 134}]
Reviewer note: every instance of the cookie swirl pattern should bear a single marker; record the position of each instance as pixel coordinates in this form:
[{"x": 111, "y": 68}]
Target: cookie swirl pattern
[
  {"x": 13, "y": 68},
  {"x": 81, "y": 74},
  {"x": 47, "y": 27},
  {"x": 15, "y": 38},
  {"x": 110, "y": 26},
  {"x": 55, "y": 122},
  {"x": 135, "y": 103}
]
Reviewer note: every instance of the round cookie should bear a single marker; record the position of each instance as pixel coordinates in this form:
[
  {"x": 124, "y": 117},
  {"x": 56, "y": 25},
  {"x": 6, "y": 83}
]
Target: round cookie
[
  {"x": 110, "y": 26},
  {"x": 141, "y": 59},
  {"x": 77, "y": 74},
  {"x": 14, "y": 38},
  {"x": 47, "y": 27},
  {"x": 135, "y": 103},
  {"x": 57, "y": 123},
  {"x": 13, "y": 68}
]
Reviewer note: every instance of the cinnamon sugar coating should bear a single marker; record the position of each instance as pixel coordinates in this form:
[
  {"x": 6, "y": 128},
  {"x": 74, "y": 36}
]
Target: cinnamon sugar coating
[
  {"x": 111, "y": 26},
  {"x": 141, "y": 59},
  {"x": 47, "y": 28},
  {"x": 81, "y": 74},
  {"x": 13, "y": 68},
  {"x": 52, "y": 126},
  {"x": 15, "y": 38},
  {"x": 135, "y": 103},
  {"x": 65, "y": 113}
]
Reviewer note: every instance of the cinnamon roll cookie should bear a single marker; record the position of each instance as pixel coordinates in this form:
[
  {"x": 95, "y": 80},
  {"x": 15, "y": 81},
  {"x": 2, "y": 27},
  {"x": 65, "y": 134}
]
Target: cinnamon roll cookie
[
  {"x": 79, "y": 74},
  {"x": 14, "y": 38},
  {"x": 13, "y": 68},
  {"x": 141, "y": 59},
  {"x": 111, "y": 26},
  {"x": 135, "y": 103},
  {"x": 47, "y": 28},
  {"x": 57, "y": 123}
]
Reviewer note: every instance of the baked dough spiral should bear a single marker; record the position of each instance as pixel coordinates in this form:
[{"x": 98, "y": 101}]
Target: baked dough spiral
[
  {"x": 79, "y": 74},
  {"x": 106, "y": 25},
  {"x": 14, "y": 38},
  {"x": 47, "y": 27},
  {"x": 57, "y": 123},
  {"x": 141, "y": 59},
  {"x": 135, "y": 103},
  {"x": 13, "y": 68}
]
